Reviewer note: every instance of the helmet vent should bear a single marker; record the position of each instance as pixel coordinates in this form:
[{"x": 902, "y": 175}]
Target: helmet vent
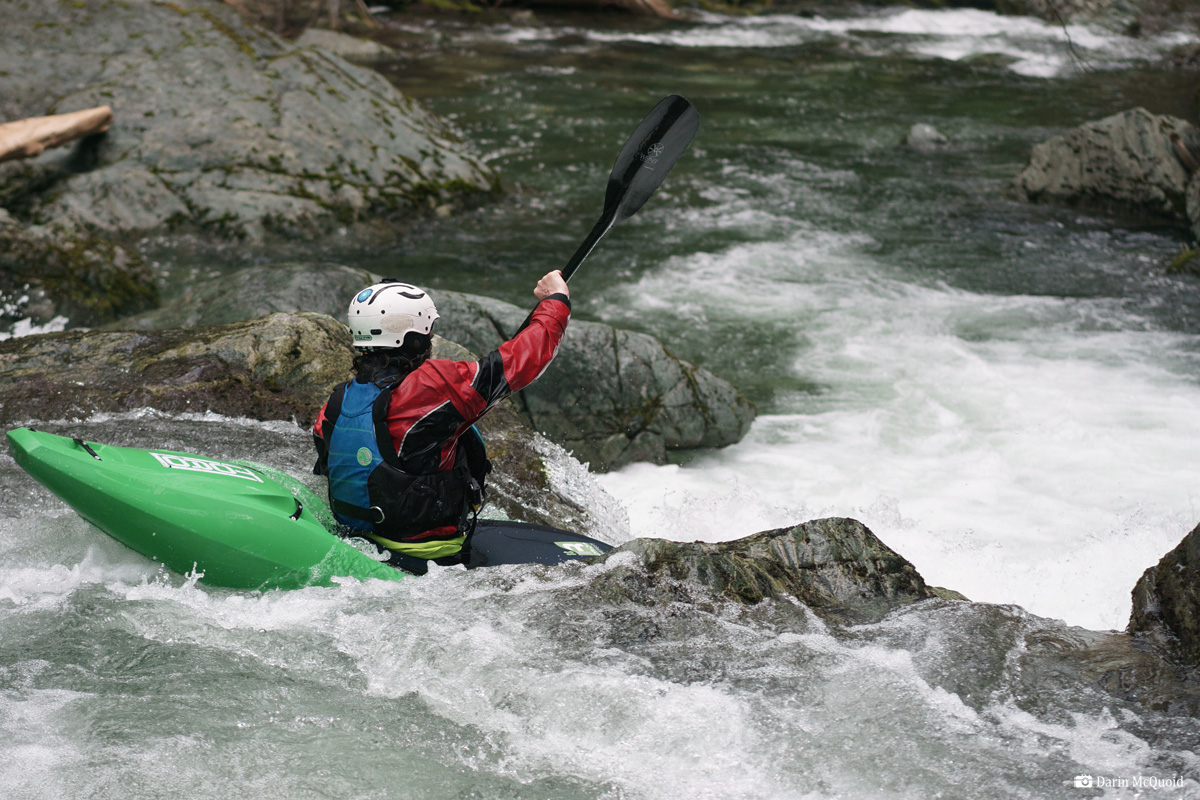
[{"x": 376, "y": 332}]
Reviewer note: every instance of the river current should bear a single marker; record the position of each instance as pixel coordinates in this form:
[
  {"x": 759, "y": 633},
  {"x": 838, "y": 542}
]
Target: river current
[{"x": 1006, "y": 394}]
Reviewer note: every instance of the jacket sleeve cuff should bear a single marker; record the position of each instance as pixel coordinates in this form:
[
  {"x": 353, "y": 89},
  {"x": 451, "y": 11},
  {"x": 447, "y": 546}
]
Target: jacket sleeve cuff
[{"x": 561, "y": 298}]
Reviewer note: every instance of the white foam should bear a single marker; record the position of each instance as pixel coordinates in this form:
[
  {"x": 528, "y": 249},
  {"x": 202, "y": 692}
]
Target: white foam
[
  {"x": 1035, "y": 47},
  {"x": 35, "y": 755},
  {"x": 1006, "y": 446},
  {"x": 26, "y": 327}
]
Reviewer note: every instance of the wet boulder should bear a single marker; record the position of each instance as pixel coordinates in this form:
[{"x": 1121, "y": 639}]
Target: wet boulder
[
  {"x": 58, "y": 272},
  {"x": 1166, "y": 600},
  {"x": 1055, "y": 657},
  {"x": 611, "y": 396},
  {"x": 278, "y": 367},
  {"x": 218, "y": 126},
  {"x": 836, "y": 567},
  {"x": 1134, "y": 161}
]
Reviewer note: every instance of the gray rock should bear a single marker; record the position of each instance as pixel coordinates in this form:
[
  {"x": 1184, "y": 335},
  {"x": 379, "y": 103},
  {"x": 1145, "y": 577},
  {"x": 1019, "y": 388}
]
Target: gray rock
[
  {"x": 1166, "y": 600},
  {"x": 278, "y": 367},
  {"x": 1055, "y": 657},
  {"x": 611, "y": 396},
  {"x": 56, "y": 270},
  {"x": 282, "y": 367},
  {"x": 1125, "y": 161},
  {"x": 322, "y": 288},
  {"x": 1192, "y": 200},
  {"x": 344, "y": 45},
  {"x": 217, "y": 126},
  {"x": 836, "y": 567}
]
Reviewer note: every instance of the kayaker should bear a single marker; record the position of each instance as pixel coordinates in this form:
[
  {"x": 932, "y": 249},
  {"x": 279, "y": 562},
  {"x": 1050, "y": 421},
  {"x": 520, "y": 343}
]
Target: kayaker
[{"x": 405, "y": 464}]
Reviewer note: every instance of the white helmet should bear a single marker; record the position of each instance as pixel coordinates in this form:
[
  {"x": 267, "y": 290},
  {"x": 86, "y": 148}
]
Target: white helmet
[{"x": 380, "y": 315}]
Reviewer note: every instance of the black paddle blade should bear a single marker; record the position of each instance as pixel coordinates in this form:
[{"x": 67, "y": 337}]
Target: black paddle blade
[
  {"x": 644, "y": 161},
  {"x": 642, "y": 166}
]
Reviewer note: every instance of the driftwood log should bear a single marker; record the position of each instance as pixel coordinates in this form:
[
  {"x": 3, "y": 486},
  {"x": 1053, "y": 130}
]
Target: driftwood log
[
  {"x": 27, "y": 138},
  {"x": 1183, "y": 153}
]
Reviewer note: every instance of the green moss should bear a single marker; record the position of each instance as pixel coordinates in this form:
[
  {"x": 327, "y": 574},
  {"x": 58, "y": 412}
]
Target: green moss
[
  {"x": 455, "y": 5},
  {"x": 217, "y": 23},
  {"x": 85, "y": 283},
  {"x": 1188, "y": 260}
]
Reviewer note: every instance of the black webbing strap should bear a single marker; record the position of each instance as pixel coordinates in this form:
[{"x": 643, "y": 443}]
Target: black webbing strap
[
  {"x": 374, "y": 514},
  {"x": 88, "y": 448}
]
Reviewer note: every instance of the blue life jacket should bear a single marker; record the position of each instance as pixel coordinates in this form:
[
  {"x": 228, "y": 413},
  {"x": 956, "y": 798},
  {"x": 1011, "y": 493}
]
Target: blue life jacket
[
  {"x": 354, "y": 451},
  {"x": 368, "y": 490}
]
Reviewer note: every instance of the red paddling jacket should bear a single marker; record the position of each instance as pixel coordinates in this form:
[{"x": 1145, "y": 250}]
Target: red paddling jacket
[{"x": 414, "y": 428}]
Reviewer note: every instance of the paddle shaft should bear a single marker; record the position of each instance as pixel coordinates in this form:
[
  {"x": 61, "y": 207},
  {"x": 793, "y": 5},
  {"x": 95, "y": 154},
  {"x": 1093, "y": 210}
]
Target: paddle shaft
[{"x": 602, "y": 227}]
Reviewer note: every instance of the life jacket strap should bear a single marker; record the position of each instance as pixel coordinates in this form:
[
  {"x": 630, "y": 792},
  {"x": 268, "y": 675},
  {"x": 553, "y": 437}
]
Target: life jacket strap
[{"x": 374, "y": 514}]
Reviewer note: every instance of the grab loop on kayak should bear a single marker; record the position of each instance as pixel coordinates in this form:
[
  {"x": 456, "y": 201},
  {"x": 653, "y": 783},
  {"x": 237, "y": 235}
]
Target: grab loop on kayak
[
  {"x": 299, "y": 509},
  {"x": 87, "y": 447}
]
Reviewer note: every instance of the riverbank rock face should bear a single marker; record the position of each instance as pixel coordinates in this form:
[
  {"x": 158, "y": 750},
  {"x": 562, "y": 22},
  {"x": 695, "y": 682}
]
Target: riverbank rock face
[
  {"x": 57, "y": 271},
  {"x": 1166, "y": 600},
  {"x": 611, "y": 397},
  {"x": 836, "y": 567},
  {"x": 1128, "y": 161},
  {"x": 278, "y": 367},
  {"x": 217, "y": 126}
]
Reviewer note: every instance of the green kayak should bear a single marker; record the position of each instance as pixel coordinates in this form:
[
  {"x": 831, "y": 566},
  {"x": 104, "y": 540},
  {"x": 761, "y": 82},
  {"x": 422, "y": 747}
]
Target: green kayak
[{"x": 238, "y": 524}]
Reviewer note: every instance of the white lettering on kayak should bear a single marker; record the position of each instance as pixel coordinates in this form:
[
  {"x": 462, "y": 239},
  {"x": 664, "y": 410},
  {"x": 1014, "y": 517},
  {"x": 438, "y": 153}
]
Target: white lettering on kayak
[
  {"x": 204, "y": 465},
  {"x": 580, "y": 548}
]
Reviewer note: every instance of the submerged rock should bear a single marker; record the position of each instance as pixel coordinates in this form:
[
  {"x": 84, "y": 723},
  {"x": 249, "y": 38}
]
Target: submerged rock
[
  {"x": 217, "y": 126},
  {"x": 322, "y": 288},
  {"x": 924, "y": 137},
  {"x": 1133, "y": 161},
  {"x": 612, "y": 397},
  {"x": 836, "y": 567},
  {"x": 1131, "y": 668},
  {"x": 57, "y": 271}
]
